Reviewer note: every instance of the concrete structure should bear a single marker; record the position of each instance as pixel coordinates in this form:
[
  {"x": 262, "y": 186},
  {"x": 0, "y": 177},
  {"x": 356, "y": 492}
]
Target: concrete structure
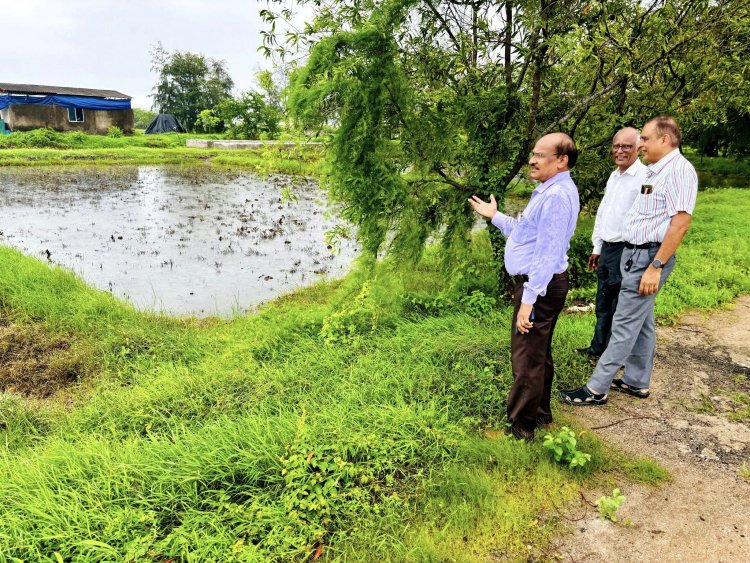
[{"x": 26, "y": 106}]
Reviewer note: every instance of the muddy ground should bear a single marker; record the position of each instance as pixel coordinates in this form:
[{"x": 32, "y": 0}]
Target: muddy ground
[
  {"x": 190, "y": 240},
  {"x": 696, "y": 424}
]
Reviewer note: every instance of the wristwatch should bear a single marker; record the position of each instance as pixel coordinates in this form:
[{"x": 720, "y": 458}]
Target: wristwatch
[{"x": 658, "y": 264}]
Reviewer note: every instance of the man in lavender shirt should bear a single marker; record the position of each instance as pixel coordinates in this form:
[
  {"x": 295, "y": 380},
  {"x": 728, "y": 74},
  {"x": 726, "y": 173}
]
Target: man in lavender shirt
[{"x": 536, "y": 255}]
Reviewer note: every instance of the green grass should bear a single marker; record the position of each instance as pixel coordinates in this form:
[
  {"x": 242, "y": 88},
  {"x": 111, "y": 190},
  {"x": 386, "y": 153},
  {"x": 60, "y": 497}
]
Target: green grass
[
  {"x": 719, "y": 164},
  {"x": 344, "y": 420},
  {"x": 46, "y": 148},
  {"x": 713, "y": 264}
]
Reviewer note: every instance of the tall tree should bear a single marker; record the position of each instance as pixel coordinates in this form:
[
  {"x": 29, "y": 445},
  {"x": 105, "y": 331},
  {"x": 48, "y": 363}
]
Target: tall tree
[
  {"x": 456, "y": 92},
  {"x": 188, "y": 83}
]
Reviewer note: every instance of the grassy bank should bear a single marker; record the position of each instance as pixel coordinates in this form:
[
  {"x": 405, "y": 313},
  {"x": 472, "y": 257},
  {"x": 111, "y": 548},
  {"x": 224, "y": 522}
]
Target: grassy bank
[
  {"x": 44, "y": 147},
  {"x": 347, "y": 420}
]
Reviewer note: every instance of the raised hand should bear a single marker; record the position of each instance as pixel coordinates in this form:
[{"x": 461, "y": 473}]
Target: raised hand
[{"x": 482, "y": 207}]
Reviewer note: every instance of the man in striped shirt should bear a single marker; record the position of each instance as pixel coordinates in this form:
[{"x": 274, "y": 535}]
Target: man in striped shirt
[{"x": 654, "y": 228}]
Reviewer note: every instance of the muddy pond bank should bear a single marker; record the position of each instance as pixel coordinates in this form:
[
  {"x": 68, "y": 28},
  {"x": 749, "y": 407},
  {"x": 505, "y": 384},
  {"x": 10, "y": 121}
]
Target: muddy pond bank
[{"x": 189, "y": 240}]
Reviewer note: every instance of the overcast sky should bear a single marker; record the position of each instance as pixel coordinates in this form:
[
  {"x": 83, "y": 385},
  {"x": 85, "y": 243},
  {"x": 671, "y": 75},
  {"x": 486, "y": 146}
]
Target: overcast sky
[{"x": 106, "y": 44}]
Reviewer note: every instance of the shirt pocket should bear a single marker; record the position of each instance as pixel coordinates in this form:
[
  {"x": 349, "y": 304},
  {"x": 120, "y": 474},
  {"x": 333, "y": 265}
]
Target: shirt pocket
[
  {"x": 524, "y": 232},
  {"x": 650, "y": 202}
]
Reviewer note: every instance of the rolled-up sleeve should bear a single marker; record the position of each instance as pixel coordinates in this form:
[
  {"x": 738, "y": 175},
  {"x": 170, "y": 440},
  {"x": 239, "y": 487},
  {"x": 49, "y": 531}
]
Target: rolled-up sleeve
[{"x": 551, "y": 244}]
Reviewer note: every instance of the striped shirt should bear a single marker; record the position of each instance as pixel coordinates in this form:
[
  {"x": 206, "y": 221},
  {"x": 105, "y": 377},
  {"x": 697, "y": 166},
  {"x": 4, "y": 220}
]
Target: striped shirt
[{"x": 671, "y": 186}]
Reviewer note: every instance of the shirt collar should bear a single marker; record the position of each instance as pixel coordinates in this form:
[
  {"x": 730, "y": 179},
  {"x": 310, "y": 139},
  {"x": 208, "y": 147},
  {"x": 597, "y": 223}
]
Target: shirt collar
[
  {"x": 659, "y": 165},
  {"x": 633, "y": 169},
  {"x": 541, "y": 188}
]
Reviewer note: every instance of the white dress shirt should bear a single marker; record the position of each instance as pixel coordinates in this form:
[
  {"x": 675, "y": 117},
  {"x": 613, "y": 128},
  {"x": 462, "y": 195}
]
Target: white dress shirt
[{"x": 619, "y": 195}]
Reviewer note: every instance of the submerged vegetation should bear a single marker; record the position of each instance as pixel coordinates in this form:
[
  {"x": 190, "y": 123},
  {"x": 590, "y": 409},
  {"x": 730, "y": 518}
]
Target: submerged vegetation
[{"x": 356, "y": 419}]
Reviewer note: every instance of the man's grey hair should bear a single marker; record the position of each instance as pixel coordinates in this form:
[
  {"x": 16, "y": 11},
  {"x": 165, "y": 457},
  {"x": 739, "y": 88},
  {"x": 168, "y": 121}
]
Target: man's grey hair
[{"x": 630, "y": 130}]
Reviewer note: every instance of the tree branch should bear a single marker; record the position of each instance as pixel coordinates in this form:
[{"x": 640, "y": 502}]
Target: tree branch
[
  {"x": 446, "y": 27},
  {"x": 508, "y": 44},
  {"x": 463, "y": 187}
]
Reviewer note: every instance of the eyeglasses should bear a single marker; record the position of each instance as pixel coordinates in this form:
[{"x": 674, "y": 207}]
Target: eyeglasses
[
  {"x": 623, "y": 148},
  {"x": 540, "y": 155}
]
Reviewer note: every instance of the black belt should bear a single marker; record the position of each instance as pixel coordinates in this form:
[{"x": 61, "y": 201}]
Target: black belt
[
  {"x": 524, "y": 278},
  {"x": 642, "y": 246},
  {"x": 608, "y": 244}
]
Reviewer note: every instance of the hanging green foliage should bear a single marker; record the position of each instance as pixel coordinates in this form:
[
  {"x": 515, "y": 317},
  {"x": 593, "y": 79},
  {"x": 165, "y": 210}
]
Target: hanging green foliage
[{"x": 429, "y": 102}]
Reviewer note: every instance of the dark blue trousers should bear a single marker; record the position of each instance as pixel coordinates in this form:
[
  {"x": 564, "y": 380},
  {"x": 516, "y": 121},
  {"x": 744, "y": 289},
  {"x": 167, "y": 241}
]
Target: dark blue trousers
[{"x": 607, "y": 291}]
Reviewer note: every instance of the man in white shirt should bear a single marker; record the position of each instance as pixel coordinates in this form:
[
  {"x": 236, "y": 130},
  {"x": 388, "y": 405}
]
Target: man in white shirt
[
  {"x": 623, "y": 186},
  {"x": 654, "y": 228}
]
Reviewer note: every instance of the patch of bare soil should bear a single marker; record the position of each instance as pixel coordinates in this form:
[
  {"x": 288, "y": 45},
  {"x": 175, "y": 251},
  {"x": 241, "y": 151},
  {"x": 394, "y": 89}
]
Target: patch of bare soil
[
  {"x": 697, "y": 424},
  {"x": 36, "y": 362}
]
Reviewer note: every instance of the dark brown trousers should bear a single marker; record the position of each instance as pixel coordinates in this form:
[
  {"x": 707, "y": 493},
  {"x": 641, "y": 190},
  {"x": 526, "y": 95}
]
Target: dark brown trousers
[{"x": 531, "y": 359}]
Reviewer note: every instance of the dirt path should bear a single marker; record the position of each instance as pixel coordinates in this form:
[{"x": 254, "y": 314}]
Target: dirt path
[{"x": 697, "y": 424}]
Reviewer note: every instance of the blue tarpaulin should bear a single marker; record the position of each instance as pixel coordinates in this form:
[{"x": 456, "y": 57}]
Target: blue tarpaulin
[{"x": 63, "y": 101}]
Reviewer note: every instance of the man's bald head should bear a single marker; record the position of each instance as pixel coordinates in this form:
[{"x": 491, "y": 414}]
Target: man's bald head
[
  {"x": 552, "y": 154},
  {"x": 564, "y": 146},
  {"x": 627, "y": 135},
  {"x": 624, "y": 148}
]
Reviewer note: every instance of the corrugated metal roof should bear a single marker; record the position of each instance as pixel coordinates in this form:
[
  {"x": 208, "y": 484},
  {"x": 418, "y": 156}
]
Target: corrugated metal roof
[{"x": 64, "y": 90}]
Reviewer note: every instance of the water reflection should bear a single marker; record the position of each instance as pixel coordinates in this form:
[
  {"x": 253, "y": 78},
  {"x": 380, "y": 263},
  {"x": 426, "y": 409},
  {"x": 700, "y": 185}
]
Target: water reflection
[{"x": 185, "y": 240}]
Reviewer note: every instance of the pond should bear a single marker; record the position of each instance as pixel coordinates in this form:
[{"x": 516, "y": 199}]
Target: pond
[{"x": 181, "y": 240}]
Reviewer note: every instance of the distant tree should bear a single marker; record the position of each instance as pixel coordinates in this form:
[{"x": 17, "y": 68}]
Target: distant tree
[
  {"x": 142, "y": 117},
  {"x": 248, "y": 116},
  {"x": 718, "y": 120},
  {"x": 272, "y": 93},
  {"x": 188, "y": 83},
  {"x": 209, "y": 122}
]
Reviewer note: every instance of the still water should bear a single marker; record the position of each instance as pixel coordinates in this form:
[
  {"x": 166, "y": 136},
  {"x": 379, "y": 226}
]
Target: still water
[{"x": 181, "y": 240}]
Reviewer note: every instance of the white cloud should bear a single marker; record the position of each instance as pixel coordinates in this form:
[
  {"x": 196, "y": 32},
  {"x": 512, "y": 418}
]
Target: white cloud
[{"x": 107, "y": 44}]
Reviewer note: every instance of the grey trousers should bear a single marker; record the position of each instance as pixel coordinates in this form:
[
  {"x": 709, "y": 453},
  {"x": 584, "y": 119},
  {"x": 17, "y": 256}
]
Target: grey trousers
[{"x": 633, "y": 337}]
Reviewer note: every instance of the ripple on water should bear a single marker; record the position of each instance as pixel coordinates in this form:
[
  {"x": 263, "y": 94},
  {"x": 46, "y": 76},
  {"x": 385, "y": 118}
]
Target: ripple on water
[{"x": 184, "y": 240}]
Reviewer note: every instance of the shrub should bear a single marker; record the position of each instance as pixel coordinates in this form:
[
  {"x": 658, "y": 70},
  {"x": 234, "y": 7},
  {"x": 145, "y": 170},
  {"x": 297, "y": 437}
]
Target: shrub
[
  {"x": 477, "y": 304},
  {"x": 41, "y": 139},
  {"x": 357, "y": 318},
  {"x": 578, "y": 258},
  {"x": 115, "y": 132},
  {"x": 564, "y": 450}
]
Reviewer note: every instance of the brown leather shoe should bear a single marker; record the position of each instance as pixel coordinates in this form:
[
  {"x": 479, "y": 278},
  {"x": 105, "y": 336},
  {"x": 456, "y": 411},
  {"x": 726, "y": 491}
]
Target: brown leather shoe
[{"x": 543, "y": 425}]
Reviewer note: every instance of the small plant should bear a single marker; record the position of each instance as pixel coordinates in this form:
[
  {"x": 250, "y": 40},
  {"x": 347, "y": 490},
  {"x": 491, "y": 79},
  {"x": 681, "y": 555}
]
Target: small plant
[
  {"x": 477, "y": 304},
  {"x": 608, "y": 506},
  {"x": 564, "y": 448},
  {"x": 115, "y": 132},
  {"x": 425, "y": 303},
  {"x": 745, "y": 471}
]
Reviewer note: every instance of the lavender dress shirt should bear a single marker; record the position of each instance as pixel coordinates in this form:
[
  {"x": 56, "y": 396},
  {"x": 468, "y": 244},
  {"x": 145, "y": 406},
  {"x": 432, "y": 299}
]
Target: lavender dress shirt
[{"x": 538, "y": 241}]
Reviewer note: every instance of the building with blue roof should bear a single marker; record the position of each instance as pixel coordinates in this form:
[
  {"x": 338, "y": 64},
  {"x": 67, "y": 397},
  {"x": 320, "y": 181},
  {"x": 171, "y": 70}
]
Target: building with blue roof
[{"x": 28, "y": 106}]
